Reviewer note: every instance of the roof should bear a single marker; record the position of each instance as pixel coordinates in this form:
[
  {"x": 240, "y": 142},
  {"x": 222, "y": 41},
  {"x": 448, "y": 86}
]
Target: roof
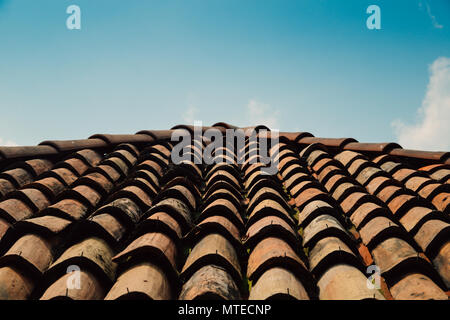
[{"x": 114, "y": 217}]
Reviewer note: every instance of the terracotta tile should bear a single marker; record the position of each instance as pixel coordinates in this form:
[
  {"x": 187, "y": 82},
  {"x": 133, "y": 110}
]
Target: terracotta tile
[
  {"x": 23, "y": 152},
  {"x": 354, "y": 200},
  {"x": 314, "y": 209},
  {"x": 392, "y": 166},
  {"x": 223, "y": 193},
  {"x": 309, "y": 195},
  {"x": 271, "y": 226},
  {"x": 381, "y": 159},
  {"x": 414, "y": 218},
  {"x": 160, "y": 222},
  {"x": 417, "y": 287},
  {"x": 431, "y": 190},
  {"x": 299, "y": 187},
  {"x": 107, "y": 171},
  {"x": 90, "y": 288},
  {"x": 273, "y": 252},
  {"x": 324, "y": 226},
  {"x": 213, "y": 249},
  {"x": 144, "y": 280},
  {"x": 371, "y": 147},
  {"x": 34, "y": 198},
  {"x": 296, "y": 181},
  {"x": 124, "y": 209},
  {"x": 392, "y": 252},
  {"x": 73, "y": 145},
  {"x": 44, "y": 225},
  {"x": 85, "y": 194},
  {"x": 210, "y": 282},
  {"x": 347, "y": 157},
  {"x": 224, "y": 208},
  {"x": 92, "y": 254},
  {"x": 329, "y": 252},
  {"x": 269, "y": 208},
  {"x": 32, "y": 252},
  {"x": 442, "y": 202},
  {"x": 176, "y": 209},
  {"x": 365, "y": 254},
  {"x": 314, "y": 156},
  {"x": 378, "y": 183},
  {"x": 118, "y": 164},
  {"x": 224, "y": 175},
  {"x": 367, "y": 174},
  {"x": 328, "y": 172},
  {"x": 404, "y": 174},
  {"x": 6, "y": 187},
  {"x": 150, "y": 178},
  {"x": 278, "y": 283},
  {"x": 75, "y": 165},
  {"x": 179, "y": 192},
  {"x": 441, "y": 263},
  {"x": 18, "y": 177},
  {"x": 432, "y": 235},
  {"x": 14, "y": 285},
  {"x": 379, "y": 229},
  {"x": 323, "y": 163},
  {"x": 108, "y": 227},
  {"x": 115, "y": 139},
  {"x": 67, "y": 209},
  {"x": 441, "y": 175},
  {"x": 97, "y": 181},
  {"x": 136, "y": 194},
  {"x": 428, "y": 155},
  {"x": 415, "y": 183},
  {"x": 266, "y": 193},
  {"x": 155, "y": 247},
  {"x": 151, "y": 166},
  {"x": 402, "y": 203},
  {"x": 14, "y": 210},
  {"x": 389, "y": 192},
  {"x": 338, "y": 143},
  {"x": 64, "y": 175},
  {"x": 345, "y": 282},
  {"x": 344, "y": 190},
  {"x": 336, "y": 180},
  {"x": 291, "y": 170},
  {"x": 357, "y": 166},
  {"x": 4, "y": 226},
  {"x": 366, "y": 212},
  {"x": 91, "y": 157},
  {"x": 50, "y": 186}
]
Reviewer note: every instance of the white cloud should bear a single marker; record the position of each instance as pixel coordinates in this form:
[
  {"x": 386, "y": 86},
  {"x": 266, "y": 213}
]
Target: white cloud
[
  {"x": 259, "y": 113},
  {"x": 436, "y": 24},
  {"x": 189, "y": 114},
  {"x": 7, "y": 143},
  {"x": 432, "y": 132}
]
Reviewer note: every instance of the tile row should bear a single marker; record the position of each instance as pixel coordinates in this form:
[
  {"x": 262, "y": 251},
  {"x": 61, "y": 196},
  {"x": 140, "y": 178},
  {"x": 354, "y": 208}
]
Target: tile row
[
  {"x": 408, "y": 272},
  {"x": 36, "y": 249}
]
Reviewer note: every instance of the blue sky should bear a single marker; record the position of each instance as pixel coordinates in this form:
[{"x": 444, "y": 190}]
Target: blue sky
[{"x": 296, "y": 65}]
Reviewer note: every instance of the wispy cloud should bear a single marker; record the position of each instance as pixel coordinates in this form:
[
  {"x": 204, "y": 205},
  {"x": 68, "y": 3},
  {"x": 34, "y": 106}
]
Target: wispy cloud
[
  {"x": 7, "y": 143},
  {"x": 432, "y": 17},
  {"x": 190, "y": 114},
  {"x": 432, "y": 132},
  {"x": 259, "y": 113}
]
